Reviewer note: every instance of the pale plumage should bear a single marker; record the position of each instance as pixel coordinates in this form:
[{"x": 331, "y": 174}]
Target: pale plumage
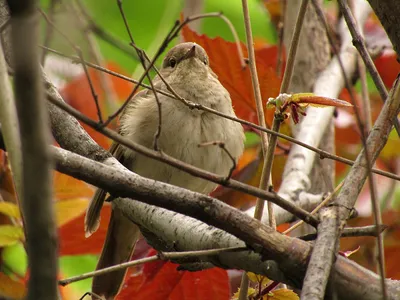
[{"x": 186, "y": 69}]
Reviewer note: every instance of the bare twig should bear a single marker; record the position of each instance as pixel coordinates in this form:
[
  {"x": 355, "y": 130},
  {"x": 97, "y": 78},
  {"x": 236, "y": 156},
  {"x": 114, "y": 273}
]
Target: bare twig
[
  {"x": 359, "y": 43},
  {"x": 325, "y": 246},
  {"x": 142, "y": 56},
  {"x": 260, "y": 109},
  {"x": 166, "y": 256},
  {"x": 351, "y": 279},
  {"x": 222, "y": 146},
  {"x": 315, "y": 210},
  {"x": 49, "y": 29},
  {"x": 300, "y": 213},
  {"x": 80, "y": 55},
  {"x": 323, "y": 154}
]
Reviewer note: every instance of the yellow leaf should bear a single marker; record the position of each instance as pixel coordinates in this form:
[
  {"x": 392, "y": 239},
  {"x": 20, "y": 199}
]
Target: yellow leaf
[
  {"x": 10, "y": 234},
  {"x": 260, "y": 279},
  {"x": 10, "y": 209},
  {"x": 281, "y": 294},
  {"x": 67, "y": 210},
  {"x": 250, "y": 292},
  {"x": 10, "y": 288},
  {"x": 67, "y": 187}
]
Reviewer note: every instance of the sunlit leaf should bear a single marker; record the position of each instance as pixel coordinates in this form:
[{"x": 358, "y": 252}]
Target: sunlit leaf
[
  {"x": 67, "y": 210},
  {"x": 15, "y": 259},
  {"x": 10, "y": 209},
  {"x": 250, "y": 292},
  {"x": 10, "y": 234},
  {"x": 259, "y": 279},
  {"x": 67, "y": 187},
  {"x": 281, "y": 294}
]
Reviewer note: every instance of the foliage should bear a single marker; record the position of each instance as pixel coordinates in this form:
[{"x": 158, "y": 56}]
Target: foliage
[{"x": 150, "y": 22}]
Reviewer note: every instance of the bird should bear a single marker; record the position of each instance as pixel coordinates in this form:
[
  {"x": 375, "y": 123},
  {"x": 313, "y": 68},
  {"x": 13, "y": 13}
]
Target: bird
[{"x": 186, "y": 69}]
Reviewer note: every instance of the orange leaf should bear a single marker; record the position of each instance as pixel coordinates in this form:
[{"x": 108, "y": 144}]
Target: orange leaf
[
  {"x": 67, "y": 210},
  {"x": 67, "y": 187},
  {"x": 10, "y": 288},
  {"x": 305, "y": 99}
]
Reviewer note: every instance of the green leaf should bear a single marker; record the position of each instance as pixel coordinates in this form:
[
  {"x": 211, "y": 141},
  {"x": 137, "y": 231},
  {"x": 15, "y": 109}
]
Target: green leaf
[{"x": 15, "y": 258}]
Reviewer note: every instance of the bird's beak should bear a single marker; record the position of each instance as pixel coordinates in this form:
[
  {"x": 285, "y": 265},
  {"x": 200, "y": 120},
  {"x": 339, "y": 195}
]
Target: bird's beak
[{"x": 190, "y": 53}]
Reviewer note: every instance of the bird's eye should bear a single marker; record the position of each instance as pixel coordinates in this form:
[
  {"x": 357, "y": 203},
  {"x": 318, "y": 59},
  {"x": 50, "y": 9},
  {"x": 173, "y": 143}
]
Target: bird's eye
[
  {"x": 205, "y": 62},
  {"x": 172, "y": 62}
]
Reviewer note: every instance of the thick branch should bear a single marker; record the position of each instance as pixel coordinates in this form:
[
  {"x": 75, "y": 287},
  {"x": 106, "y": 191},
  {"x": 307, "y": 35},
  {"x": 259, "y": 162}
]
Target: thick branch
[
  {"x": 388, "y": 12},
  {"x": 37, "y": 192},
  {"x": 291, "y": 254}
]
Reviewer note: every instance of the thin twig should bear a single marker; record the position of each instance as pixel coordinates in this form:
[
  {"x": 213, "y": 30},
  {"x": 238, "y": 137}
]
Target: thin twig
[
  {"x": 49, "y": 30},
  {"x": 165, "y": 256},
  {"x": 222, "y": 146},
  {"x": 306, "y": 290},
  {"x": 359, "y": 43},
  {"x": 92, "y": 89},
  {"x": 316, "y": 209},
  {"x": 79, "y": 52},
  {"x": 259, "y": 106},
  {"x": 273, "y": 197},
  {"x": 323, "y": 154},
  {"x": 142, "y": 56},
  {"x": 370, "y": 230},
  {"x": 93, "y": 295},
  {"x": 77, "y": 11},
  {"x": 264, "y": 182}
]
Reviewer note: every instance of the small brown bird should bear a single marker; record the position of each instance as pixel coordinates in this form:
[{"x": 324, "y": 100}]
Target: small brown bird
[{"x": 186, "y": 69}]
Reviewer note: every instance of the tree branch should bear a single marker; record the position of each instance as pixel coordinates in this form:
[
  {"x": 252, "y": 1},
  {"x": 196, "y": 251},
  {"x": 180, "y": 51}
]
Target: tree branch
[
  {"x": 352, "y": 281},
  {"x": 36, "y": 200}
]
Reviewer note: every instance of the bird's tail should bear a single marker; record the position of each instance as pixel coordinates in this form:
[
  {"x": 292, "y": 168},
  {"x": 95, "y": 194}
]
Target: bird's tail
[
  {"x": 122, "y": 236},
  {"x": 92, "y": 217}
]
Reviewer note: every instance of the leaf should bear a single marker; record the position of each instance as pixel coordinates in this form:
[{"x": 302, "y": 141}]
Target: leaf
[
  {"x": 10, "y": 288},
  {"x": 15, "y": 259},
  {"x": 67, "y": 210},
  {"x": 161, "y": 280},
  {"x": 10, "y": 234},
  {"x": 10, "y": 209},
  {"x": 250, "y": 292},
  {"x": 305, "y": 99},
  {"x": 259, "y": 279},
  {"x": 225, "y": 62},
  {"x": 67, "y": 187},
  {"x": 349, "y": 252},
  {"x": 281, "y": 294},
  {"x": 72, "y": 236}
]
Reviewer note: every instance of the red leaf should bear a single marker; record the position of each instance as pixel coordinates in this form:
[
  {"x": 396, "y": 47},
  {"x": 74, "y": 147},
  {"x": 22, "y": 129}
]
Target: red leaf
[
  {"x": 72, "y": 235},
  {"x": 161, "y": 280}
]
